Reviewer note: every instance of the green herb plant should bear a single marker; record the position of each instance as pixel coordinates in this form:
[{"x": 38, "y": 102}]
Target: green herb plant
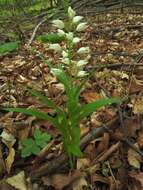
[
  {"x": 71, "y": 74},
  {"x": 8, "y": 47},
  {"x": 32, "y": 146}
]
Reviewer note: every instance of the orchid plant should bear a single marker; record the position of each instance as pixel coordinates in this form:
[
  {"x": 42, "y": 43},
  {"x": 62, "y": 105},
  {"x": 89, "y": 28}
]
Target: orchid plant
[{"x": 71, "y": 74}]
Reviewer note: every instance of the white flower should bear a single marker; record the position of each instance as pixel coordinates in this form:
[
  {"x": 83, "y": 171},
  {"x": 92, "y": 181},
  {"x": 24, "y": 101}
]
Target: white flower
[
  {"x": 66, "y": 61},
  {"x": 82, "y": 73},
  {"x": 77, "y": 19},
  {"x": 61, "y": 32},
  {"x": 56, "y": 72},
  {"x": 55, "y": 47},
  {"x": 71, "y": 13},
  {"x": 88, "y": 57},
  {"x": 58, "y": 23},
  {"x": 81, "y": 27},
  {"x": 81, "y": 63},
  {"x": 69, "y": 36},
  {"x": 65, "y": 54},
  {"x": 83, "y": 50},
  {"x": 76, "y": 40}
]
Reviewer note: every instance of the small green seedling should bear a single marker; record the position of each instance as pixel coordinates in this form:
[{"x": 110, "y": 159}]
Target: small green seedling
[
  {"x": 32, "y": 146},
  {"x": 8, "y": 47}
]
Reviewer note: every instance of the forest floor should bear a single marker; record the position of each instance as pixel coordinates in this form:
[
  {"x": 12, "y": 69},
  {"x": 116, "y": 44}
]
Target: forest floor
[{"x": 111, "y": 138}]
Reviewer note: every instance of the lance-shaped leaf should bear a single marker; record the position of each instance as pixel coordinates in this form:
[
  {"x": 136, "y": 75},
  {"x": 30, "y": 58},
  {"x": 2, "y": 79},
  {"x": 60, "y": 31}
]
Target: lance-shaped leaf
[
  {"x": 33, "y": 112},
  {"x": 60, "y": 113},
  {"x": 43, "y": 99},
  {"x": 89, "y": 108}
]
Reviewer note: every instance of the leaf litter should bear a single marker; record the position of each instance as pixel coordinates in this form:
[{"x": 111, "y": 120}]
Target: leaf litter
[{"x": 117, "y": 47}]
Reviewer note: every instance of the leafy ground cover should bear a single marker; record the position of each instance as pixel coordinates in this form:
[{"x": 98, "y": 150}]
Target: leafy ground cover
[{"x": 111, "y": 138}]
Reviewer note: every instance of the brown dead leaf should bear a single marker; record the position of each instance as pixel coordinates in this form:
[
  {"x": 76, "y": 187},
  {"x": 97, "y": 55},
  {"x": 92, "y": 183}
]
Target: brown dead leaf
[
  {"x": 5, "y": 186},
  {"x": 140, "y": 139},
  {"x": 138, "y": 106},
  {"x": 83, "y": 129},
  {"x": 24, "y": 132},
  {"x": 132, "y": 125},
  {"x": 9, "y": 140},
  {"x": 103, "y": 145},
  {"x": 79, "y": 184},
  {"x": 18, "y": 181},
  {"x": 59, "y": 181},
  {"x": 137, "y": 176},
  {"x": 134, "y": 158},
  {"x": 91, "y": 96},
  {"x": 90, "y": 151},
  {"x": 10, "y": 159},
  {"x": 82, "y": 163},
  {"x": 99, "y": 178}
]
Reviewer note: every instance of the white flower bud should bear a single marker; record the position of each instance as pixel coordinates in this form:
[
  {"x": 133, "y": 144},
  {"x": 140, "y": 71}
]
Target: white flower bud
[
  {"x": 76, "y": 40},
  {"x": 71, "y": 13},
  {"x": 56, "y": 72},
  {"x": 65, "y": 54},
  {"x": 77, "y": 19},
  {"x": 69, "y": 36},
  {"x": 61, "y": 32},
  {"x": 83, "y": 50},
  {"x": 81, "y": 63},
  {"x": 66, "y": 61},
  {"x": 81, "y": 27},
  {"x": 55, "y": 47},
  {"x": 58, "y": 23},
  {"x": 82, "y": 73}
]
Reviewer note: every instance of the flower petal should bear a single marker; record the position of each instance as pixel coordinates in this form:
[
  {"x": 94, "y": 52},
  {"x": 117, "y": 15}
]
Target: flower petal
[
  {"x": 58, "y": 23},
  {"x": 76, "y": 40},
  {"x": 81, "y": 27},
  {"x": 83, "y": 50},
  {"x": 71, "y": 13},
  {"x": 55, "y": 47},
  {"x": 77, "y": 19}
]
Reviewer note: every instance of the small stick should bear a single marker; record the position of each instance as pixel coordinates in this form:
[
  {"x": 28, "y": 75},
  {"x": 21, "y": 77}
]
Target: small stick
[{"x": 35, "y": 30}]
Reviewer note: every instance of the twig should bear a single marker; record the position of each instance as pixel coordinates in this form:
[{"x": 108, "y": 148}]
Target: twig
[{"x": 35, "y": 30}]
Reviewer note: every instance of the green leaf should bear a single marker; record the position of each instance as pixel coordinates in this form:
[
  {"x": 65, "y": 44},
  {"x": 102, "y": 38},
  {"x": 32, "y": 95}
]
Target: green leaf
[
  {"x": 87, "y": 109},
  {"x": 8, "y": 47},
  {"x": 51, "y": 37},
  {"x": 74, "y": 149},
  {"x": 44, "y": 99},
  {"x": 40, "y": 143},
  {"x": 41, "y": 139},
  {"x": 29, "y": 148},
  {"x": 33, "y": 112},
  {"x": 39, "y": 136},
  {"x": 35, "y": 150},
  {"x": 28, "y": 142}
]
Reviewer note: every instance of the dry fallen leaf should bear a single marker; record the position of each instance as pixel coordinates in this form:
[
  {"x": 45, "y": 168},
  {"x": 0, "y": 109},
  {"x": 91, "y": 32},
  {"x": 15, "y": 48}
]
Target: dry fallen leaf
[
  {"x": 59, "y": 181},
  {"x": 79, "y": 184},
  {"x": 10, "y": 159},
  {"x": 18, "y": 181},
  {"x": 9, "y": 140},
  {"x": 140, "y": 139},
  {"x": 137, "y": 176},
  {"x": 134, "y": 158},
  {"x": 83, "y": 163},
  {"x": 91, "y": 96}
]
